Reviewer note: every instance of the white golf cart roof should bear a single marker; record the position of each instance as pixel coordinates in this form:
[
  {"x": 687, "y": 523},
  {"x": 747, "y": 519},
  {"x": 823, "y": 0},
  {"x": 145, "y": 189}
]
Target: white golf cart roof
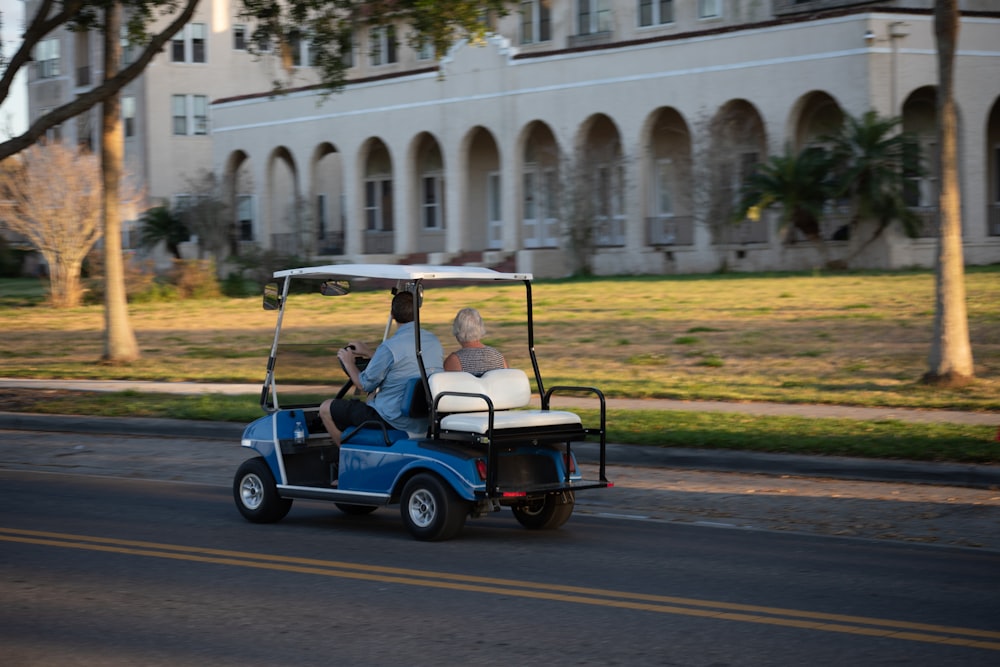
[{"x": 400, "y": 272}]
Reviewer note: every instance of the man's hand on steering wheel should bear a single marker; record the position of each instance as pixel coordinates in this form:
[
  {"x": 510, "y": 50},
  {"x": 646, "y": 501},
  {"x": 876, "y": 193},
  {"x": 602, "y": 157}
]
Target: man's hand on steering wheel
[{"x": 351, "y": 354}]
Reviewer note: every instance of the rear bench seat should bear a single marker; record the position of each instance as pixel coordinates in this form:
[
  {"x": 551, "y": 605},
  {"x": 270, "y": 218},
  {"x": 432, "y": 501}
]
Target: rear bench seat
[{"x": 464, "y": 405}]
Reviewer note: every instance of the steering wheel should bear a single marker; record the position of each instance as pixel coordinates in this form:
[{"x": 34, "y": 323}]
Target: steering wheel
[{"x": 360, "y": 362}]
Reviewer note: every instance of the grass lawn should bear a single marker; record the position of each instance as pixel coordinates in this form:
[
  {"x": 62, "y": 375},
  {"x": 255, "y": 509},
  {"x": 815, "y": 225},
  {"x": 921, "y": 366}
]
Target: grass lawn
[{"x": 853, "y": 339}]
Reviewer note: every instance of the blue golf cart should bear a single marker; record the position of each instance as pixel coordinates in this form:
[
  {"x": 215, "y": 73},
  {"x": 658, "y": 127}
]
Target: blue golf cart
[{"x": 486, "y": 446}]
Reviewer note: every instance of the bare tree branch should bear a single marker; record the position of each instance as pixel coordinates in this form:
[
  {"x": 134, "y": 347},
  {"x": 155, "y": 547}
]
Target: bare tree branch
[{"x": 98, "y": 94}]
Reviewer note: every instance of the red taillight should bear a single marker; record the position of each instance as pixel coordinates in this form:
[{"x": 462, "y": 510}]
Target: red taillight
[
  {"x": 514, "y": 494},
  {"x": 481, "y": 469},
  {"x": 570, "y": 463}
]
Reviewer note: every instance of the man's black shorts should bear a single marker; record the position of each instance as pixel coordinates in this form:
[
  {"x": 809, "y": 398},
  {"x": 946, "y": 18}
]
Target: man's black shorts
[{"x": 348, "y": 412}]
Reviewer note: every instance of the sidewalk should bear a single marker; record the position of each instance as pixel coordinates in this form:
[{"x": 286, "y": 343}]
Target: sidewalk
[
  {"x": 982, "y": 476},
  {"x": 772, "y": 409}
]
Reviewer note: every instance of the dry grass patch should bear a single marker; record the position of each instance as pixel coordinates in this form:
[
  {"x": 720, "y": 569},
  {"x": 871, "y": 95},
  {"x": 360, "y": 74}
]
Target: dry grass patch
[{"x": 853, "y": 339}]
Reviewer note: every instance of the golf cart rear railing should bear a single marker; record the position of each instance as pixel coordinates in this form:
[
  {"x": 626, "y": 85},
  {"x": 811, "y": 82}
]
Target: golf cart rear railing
[{"x": 489, "y": 410}]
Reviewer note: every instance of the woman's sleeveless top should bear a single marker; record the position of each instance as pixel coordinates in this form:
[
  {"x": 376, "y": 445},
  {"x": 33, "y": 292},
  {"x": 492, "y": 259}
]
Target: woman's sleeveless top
[{"x": 478, "y": 360}]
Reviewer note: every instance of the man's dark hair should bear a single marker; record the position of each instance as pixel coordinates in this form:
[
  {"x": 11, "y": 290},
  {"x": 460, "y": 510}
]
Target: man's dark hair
[{"x": 402, "y": 307}]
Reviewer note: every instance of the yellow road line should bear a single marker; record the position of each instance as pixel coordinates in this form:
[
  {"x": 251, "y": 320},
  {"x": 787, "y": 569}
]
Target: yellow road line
[{"x": 824, "y": 622}]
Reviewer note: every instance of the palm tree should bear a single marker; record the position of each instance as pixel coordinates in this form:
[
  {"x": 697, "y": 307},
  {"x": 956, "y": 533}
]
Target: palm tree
[
  {"x": 120, "y": 344},
  {"x": 871, "y": 159},
  {"x": 162, "y": 224},
  {"x": 799, "y": 183},
  {"x": 950, "y": 359}
]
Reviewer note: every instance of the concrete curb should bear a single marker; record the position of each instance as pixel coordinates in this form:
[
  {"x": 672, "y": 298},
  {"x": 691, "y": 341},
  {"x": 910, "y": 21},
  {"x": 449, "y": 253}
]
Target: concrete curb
[{"x": 945, "y": 474}]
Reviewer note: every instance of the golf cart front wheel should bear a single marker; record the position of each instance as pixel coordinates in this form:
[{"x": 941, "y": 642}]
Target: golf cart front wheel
[{"x": 256, "y": 493}]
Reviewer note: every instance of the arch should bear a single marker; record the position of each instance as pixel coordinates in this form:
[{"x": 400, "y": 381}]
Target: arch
[
  {"x": 427, "y": 208},
  {"x": 482, "y": 220},
  {"x": 539, "y": 189},
  {"x": 992, "y": 170},
  {"x": 595, "y": 207},
  {"x": 814, "y": 115},
  {"x": 238, "y": 184},
  {"x": 920, "y": 122},
  {"x": 326, "y": 199},
  {"x": 283, "y": 204},
  {"x": 666, "y": 179},
  {"x": 377, "y": 198},
  {"x": 736, "y": 143}
]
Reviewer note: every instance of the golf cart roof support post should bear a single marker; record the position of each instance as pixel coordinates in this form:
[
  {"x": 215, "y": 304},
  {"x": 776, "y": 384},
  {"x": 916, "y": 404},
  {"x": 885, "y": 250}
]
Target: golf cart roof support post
[
  {"x": 531, "y": 342},
  {"x": 269, "y": 377},
  {"x": 414, "y": 289}
]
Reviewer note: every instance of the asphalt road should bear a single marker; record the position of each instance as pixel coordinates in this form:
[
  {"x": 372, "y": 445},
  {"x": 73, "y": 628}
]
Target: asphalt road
[
  {"x": 110, "y": 570},
  {"x": 789, "y": 494}
]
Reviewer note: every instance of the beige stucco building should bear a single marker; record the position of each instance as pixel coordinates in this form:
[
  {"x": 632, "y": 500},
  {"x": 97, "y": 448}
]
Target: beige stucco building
[
  {"x": 167, "y": 110},
  {"x": 625, "y": 124}
]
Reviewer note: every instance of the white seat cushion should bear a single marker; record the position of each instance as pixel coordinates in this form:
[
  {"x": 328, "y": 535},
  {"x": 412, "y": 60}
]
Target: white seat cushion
[
  {"x": 507, "y": 387},
  {"x": 478, "y": 422}
]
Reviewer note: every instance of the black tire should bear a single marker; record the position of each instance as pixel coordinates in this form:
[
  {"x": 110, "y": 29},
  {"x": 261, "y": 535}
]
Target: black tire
[
  {"x": 545, "y": 514},
  {"x": 356, "y": 510},
  {"x": 431, "y": 510},
  {"x": 256, "y": 493}
]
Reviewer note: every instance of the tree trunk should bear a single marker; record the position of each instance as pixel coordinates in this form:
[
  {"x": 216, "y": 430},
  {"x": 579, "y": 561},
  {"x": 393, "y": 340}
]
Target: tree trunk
[
  {"x": 64, "y": 287},
  {"x": 120, "y": 345},
  {"x": 950, "y": 360}
]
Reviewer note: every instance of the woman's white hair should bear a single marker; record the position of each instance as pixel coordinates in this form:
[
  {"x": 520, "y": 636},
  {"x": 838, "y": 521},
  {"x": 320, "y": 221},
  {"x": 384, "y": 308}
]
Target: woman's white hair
[{"x": 468, "y": 326}]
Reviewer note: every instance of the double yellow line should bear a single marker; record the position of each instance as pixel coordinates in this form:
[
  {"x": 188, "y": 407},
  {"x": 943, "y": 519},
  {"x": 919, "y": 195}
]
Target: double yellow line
[{"x": 662, "y": 604}]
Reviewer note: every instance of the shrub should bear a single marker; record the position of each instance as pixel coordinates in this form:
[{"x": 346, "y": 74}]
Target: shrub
[
  {"x": 140, "y": 279},
  {"x": 236, "y": 286},
  {"x": 195, "y": 278}
]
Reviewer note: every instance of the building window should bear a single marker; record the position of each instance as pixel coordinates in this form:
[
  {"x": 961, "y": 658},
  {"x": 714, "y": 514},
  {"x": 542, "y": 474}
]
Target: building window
[
  {"x": 347, "y": 48},
  {"x": 128, "y": 115},
  {"x": 199, "y": 108},
  {"x": 129, "y": 50},
  {"x": 239, "y": 37},
  {"x": 431, "y": 202},
  {"x": 536, "y": 22},
  {"x": 244, "y": 216},
  {"x": 188, "y": 45},
  {"x": 47, "y": 58},
  {"x": 488, "y": 20},
  {"x": 494, "y": 219},
  {"x": 190, "y": 114},
  {"x": 321, "y": 217},
  {"x": 656, "y": 12},
  {"x": 178, "y": 104},
  {"x": 609, "y": 221},
  {"x": 663, "y": 196},
  {"x": 539, "y": 203},
  {"x": 593, "y": 16},
  {"x": 920, "y": 187},
  {"x": 294, "y": 47},
  {"x": 382, "y": 42},
  {"x": 301, "y": 51},
  {"x": 197, "y": 42},
  {"x": 426, "y": 50},
  {"x": 709, "y": 9},
  {"x": 177, "y": 47},
  {"x": 378, "y": 204}
]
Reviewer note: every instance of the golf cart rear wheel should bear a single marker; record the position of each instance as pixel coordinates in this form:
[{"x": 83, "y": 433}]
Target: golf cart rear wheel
[
  {"x": 430, "y": 508},
  {"x": 256, "y": 493},
  {"x": 546, "y": 513}
]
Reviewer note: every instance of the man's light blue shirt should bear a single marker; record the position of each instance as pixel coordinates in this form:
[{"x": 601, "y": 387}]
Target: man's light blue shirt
[{"x": 390, "y": 369}]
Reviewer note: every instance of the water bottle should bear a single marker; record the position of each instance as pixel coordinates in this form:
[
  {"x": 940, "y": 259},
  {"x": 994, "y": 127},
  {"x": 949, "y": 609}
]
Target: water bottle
[{"x": 300, "y": 433}]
